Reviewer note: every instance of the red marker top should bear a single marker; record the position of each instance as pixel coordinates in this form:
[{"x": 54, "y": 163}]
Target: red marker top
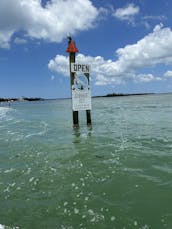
[{"x": 72, "y": 47}]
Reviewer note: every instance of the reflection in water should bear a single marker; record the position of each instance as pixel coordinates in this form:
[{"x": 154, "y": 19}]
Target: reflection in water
[{"x": 81, "y": 134}]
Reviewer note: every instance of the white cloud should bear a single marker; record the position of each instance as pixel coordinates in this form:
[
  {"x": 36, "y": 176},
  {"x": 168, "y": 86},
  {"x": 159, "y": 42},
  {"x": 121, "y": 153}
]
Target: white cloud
[
  {"x": 19, "y": 41},
  {"x": 168, "y": 74},
  {"x": 145, "y": 78},
  {"x": 102, "y": 70},
  {"x": 155, "y": 17},
  {"x": 51, "y": 22},
  {"x": 60, "y": 64},
  {"x": 4, "y": 39},
  {"x": 127, "y": 13},
  {"x": 158, "y": 27},
  {"x": 153, "y": 49}
]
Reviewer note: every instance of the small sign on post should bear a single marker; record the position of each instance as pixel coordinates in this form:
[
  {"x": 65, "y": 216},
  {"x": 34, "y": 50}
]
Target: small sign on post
[
  {"x": 81, "y": 95},
  {"x": 80, "y": 85},
  {"x": 84, "y": 68}
]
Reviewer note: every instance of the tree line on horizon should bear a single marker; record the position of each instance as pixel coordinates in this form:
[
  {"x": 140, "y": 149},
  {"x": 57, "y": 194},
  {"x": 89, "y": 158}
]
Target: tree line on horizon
[{"x": 20, "y": 99}]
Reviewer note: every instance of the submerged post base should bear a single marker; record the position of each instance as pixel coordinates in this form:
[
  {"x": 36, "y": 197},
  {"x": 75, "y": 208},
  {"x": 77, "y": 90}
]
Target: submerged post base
[
  {"x": 75, "y": 126},
  {"x": 88, "y": 114},
  {"x": 75, "y": 119}
]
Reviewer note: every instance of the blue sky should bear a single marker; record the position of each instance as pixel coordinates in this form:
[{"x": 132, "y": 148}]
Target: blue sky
[{"x": 127, "y": 43}]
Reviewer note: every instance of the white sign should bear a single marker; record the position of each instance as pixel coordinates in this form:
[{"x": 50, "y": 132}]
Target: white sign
[
  {"x": 81, "y": 95},
  {"x": 81, "y": 100},
  {"x": 84, "y": 68}
]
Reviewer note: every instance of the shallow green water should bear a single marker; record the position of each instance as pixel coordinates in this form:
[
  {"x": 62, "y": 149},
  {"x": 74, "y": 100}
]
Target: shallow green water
[{"x": 116, "y": 175}]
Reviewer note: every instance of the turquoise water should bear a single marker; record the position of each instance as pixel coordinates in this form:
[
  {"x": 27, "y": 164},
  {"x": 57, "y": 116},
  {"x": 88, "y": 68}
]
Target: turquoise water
[{"x": 116, "y": 175}]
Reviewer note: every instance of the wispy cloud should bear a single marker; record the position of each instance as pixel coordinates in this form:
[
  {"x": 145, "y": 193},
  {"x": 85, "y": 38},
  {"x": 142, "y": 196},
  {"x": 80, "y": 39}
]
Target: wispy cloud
[
  {"x": 155, "y": 17},
  {"x": 146, "y": 78},
  {"x": 127, "y": 13},
  {"x": 148, "y": 20},
  {"x": 20, "y": 41}
]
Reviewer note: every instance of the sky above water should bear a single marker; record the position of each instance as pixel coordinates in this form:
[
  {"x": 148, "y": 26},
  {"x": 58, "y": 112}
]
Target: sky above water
[{"x": 128, "y": 45}]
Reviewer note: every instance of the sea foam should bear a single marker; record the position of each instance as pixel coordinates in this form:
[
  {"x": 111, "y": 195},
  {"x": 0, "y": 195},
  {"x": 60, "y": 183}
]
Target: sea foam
[{"x": 3, "y": 112}]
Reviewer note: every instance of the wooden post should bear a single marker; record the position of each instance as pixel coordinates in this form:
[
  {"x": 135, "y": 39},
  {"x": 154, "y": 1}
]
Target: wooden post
[
  {"x": 72, "y": 49},
  {"x": 88, "y": 112},
  {"x": 75, "y": 113}
]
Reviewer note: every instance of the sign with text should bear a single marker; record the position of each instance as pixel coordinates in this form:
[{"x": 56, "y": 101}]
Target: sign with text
[
  {"x": 84, "y": 68},
  {"x": 81, "y": 94},
  {"x": 81, "y": 100}
]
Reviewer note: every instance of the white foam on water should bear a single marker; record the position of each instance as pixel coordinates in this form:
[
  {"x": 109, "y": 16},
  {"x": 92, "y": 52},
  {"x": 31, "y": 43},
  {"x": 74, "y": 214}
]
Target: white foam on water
[
  {"x": 53, "y": 169},
  {"x": 73, "y": 184},
  {"x": 3, "y": 113},
  {"x": 43, "y": 130},
  {"x": 7, "y": 227},
  {"x": 76, "y": 210},
  {"x": 31, "y": 179},
  {"x": 135, "y": 223},
  {"x": 95, "y": 217},
  {"x": 28, "y": 171},
  {"x": 112, "y": 218},
  {"x": 65, "y": 210},
  {"x": 65, "y": 203},
  {"x": 90, "y": 212},
  {"x": 9, "y": 170},
  {"x": 86, "y": 198}
]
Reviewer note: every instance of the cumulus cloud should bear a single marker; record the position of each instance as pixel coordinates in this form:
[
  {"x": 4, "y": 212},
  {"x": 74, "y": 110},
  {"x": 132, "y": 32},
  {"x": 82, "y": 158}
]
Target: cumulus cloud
[
  {"x": 52, "y": 22},
  {"x": 103, "y": 70},
  {"x": 153, "y": 49},
  {"x": 59, "y": 64},
  {"x": 127, "y": 13}
]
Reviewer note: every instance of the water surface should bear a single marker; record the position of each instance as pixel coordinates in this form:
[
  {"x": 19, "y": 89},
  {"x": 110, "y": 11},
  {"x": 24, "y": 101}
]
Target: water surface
[{"x": 116, "y": 175}]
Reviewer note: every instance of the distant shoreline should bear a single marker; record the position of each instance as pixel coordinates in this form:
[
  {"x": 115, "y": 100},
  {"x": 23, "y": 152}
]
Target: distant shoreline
[
  {"x": 30, "y": 99},
  {"x": 10, "y": 100},
  {"x": 121, "y": 94},
  {"x": 132, "y": 94}
]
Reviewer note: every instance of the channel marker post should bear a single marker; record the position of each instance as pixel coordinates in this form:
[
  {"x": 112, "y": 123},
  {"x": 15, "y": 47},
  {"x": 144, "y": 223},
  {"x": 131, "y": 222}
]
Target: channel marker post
[{"x": 80, "y": 85}]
